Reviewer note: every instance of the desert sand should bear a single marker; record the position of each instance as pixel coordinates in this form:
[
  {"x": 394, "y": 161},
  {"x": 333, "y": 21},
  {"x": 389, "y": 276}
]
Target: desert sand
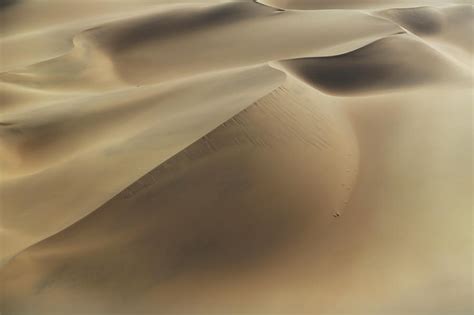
[{"x": 236, "y": 157}]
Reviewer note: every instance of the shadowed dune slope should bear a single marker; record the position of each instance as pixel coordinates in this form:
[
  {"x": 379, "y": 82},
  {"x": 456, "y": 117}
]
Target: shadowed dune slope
[
  {"x": 453, "y": 25},
  {"x": 63, "y": 116},
  {"x": 59, "y": 131},
  {"x": 201, "y": 157},
  {"x": 32, "y": 31},
  {"x": 277, "y": 171},
  {"x": 132, "y": 131},
  {"x": 387, "y": 64},
  {"x": 175, "y": 43},
  {"x": 19, "y": 17},
  {"x": 244, "y": 214},
  {"x": 355, "y": 4}
]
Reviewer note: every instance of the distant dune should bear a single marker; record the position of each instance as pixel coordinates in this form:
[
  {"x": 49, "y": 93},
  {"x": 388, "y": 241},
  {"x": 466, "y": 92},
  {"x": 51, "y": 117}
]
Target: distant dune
[
  {"x": 451, "y": 25},
  {"x": 387, "y": 64},
  {"x": 236, "y": 157},
  {"x": 355, "y": 4}
]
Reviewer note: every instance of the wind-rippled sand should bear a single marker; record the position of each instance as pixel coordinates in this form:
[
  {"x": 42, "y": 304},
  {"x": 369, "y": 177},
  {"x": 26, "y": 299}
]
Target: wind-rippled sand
[{"x": 236, "y": 157}]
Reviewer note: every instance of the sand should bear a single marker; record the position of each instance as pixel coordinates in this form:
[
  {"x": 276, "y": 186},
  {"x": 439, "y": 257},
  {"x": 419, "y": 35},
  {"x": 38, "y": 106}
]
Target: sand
[{"x": 236, "y": 157}]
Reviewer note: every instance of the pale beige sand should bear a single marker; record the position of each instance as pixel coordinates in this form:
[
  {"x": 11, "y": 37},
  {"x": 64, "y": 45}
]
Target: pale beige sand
[
  {"x": 356, "y": 4},
  {"x": 452, "y": 25},
  {"x": 135, "y": 130},
  {"x": 227, "y": 157},
  {"x": 388, "y": 64},
  {"x": 99, "y": 94}
]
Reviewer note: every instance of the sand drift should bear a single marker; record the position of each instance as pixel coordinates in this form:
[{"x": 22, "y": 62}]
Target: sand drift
[{"x": 236, "y": 157}]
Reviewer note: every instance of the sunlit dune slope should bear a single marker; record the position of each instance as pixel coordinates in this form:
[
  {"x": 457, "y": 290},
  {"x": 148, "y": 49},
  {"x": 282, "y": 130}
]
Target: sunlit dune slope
[
  {"x": 179, "y": 42},
  {"x": 246, "y": 213},
  {"x": 132, "y": 131},
  {"x": 278, "y": 171},
  {"x": 168, "y": 75},
  {"x": 236, "y": 157}
]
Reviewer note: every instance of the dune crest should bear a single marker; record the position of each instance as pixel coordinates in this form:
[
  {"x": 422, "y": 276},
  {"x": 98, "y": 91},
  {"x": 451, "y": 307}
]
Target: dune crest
[
  {"x": 236, "y": 157},
  {"x": 385, "y": 65}
]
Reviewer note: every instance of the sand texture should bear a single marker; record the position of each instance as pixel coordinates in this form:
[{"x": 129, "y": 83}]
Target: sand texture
[{"x": 233, "y": 157}]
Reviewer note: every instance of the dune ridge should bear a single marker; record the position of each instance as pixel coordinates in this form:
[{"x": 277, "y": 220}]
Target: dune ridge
[
  {"x": 386, "y": 64},
  {"x": 236, "y": 157}
]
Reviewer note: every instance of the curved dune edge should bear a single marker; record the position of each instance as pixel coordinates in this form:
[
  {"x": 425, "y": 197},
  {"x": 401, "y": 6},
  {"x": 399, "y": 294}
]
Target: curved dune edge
[
  {"x": 172, "y": 243},
  {"x": 61, "y": 130},
  {"x": 446, "y": 24},
  {"x": 254, "y": 158},
  {"x": 139, "y": 143},
  {"x": 122, "y": 53},
  {"x": 356, "y": 4},
  {"x": 41, "y": 99},
  {"x": 180, "y": 157},
  {"x": 388, "y": 64}
]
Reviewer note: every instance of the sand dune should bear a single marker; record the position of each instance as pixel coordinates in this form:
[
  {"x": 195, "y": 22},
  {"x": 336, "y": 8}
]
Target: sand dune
[
  {"x": 225, "y": 175},
  {"x": 355, "y": 4},
  {"x": 241, "y": 236},
  {"x": 59, "y": 131},
  {"x": 91, "y": 146},
  {"x": 449, "y": 24},
  {"x": 194, "y": 40},
  {"x": 236, "y": 157},
  {"x": 387, "y": 64},
  {"x": 41, "y": 128}
]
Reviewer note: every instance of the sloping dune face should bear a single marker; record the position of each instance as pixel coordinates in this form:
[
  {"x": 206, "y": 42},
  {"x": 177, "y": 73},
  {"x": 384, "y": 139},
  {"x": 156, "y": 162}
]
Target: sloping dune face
[
  {"x": 236, "y": 157},
  {"x": 355, "y": 4},
  {"x": 391, "y": 63},
  {"x": 452, "y": 25}
]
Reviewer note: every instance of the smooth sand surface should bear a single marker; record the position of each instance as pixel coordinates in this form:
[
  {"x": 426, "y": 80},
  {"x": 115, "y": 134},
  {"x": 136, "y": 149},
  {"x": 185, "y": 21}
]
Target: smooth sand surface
[
  {"x": 356, "y": 4},
  {"x": 236, "y": 157},
  {"x": 385, "y": 65}
]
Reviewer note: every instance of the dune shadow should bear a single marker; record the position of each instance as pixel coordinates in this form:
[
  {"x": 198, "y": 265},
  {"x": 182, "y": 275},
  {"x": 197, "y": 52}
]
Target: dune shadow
[
  {"x": 386, "y": 64},
  {"x": 176, "y": 23},
  {"x": 5, "y": 4}
]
